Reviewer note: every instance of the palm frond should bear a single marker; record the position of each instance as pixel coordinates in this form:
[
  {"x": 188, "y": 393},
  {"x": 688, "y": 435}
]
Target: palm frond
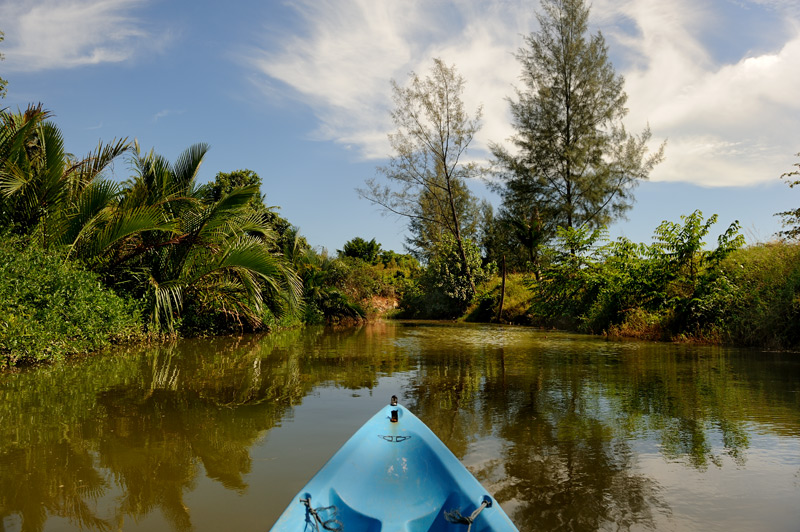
[
  {"x": 17, "y": 128},
  {"x": 226, "y": 294},
  {"x": 168, "y": 301},
  {"x": 34, "y": 175},
  {"x": 151, "y": 184},
  {"x": 274, "y": 272},
  {"x": 254, "y": 223},
  {"x": 94, "y": 164},
  {"x": 14, "y": 176},
  {"x": 184, "y": 171},
  {"x": 225, "y": 213},
  {"x": 126, "y": 223},
  {"x": 87, "y": 215}
]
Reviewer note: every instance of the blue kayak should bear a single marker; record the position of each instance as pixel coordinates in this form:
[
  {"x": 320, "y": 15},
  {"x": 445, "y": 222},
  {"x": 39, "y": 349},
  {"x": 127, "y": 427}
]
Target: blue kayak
[{"x": 394, "y": 475}]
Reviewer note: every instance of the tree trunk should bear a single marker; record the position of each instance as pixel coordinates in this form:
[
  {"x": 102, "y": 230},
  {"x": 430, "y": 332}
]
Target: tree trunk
[
  {"x": 502, "y": 291},
  {"x": 457, "y": 235}
]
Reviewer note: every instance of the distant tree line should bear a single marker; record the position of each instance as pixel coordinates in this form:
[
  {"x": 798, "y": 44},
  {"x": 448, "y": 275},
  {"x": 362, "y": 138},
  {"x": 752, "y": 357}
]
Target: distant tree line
[{"x": 88, "y": 259}]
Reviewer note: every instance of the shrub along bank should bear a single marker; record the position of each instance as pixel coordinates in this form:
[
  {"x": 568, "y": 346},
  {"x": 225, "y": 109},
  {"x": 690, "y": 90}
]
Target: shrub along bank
[
  {"x": 764, "y": 307},
  {"x": 672, "y": 290},
  {"x": 50, "y": 308}
]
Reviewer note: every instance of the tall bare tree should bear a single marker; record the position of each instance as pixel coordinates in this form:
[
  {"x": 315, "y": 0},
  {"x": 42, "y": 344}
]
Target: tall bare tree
[{"x": 427, "y": 171}]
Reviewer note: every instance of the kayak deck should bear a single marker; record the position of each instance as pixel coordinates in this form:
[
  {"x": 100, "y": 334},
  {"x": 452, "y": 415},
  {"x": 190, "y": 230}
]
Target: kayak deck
[{"x": 393, "y": 476}]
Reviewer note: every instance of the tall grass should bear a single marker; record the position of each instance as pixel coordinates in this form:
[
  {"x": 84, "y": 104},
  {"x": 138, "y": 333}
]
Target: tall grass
[{"x": 766, "y": 308}]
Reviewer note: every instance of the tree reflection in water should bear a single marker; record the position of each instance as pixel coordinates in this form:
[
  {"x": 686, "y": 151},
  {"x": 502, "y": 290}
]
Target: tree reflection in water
[
  {"x": 114, "y": 438},
  {"x": 142, "y": 423},
  {"x": 567, "y": 410},
  {"x": 562, "y": 465}
]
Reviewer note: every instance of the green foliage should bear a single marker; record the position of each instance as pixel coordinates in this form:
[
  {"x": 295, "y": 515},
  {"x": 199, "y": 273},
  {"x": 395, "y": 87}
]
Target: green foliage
[
  {"x": 226, "y": 182},
  {"x": 573, "y": 278},
  {"x": 791, "y": 218},
  {"x": 355, "y": 278},
  {"x": 46, "y": 192},
  {"x": 681, "y": 247},
  {"x": 443, "y": 290},
  {"x": 433, "y": 219},
  {"x": 575, "y": 164},
  {"x": 359, "y": 248},
  {"x": 675, "y": 281},
  {"x": 398, "y": 261},
  {"x": 213, "y": 251},
  {"x": 50, "y": 308},
  {"x": 521, "y": 240},
  {"x": 445, "y": 272},
  {"x": 762, "y": 303},
  {"x": 324, "y": 283},
  {"x": 631, "y": 282},
  {"x": 695, "y": 288},
  {"x": 674, "y": 288},
  {"x": 349, "y": 289},
  {"x": 158, "y": 237},
  {"x": 516, "y": 303}
]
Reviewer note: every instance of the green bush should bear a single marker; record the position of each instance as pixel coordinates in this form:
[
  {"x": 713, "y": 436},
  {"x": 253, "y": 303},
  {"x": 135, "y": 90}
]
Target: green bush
[
  {"x": 355, "y": 278},
  {"x": 595, "y": 286},
  {"x": 572, "y": 281},
  {"x": 446, "y": 290},
  {"x": 50, "y": 308},
  {"x": 516, "y": 303},
  {"x": 764, "y": 306}
]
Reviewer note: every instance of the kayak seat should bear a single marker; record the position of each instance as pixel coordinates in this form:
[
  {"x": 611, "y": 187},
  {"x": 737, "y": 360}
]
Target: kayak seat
[
  {"x": 351, "y": 518},
  {"x": 393, "y": 479},
  {"x": 455, "y": 501}
]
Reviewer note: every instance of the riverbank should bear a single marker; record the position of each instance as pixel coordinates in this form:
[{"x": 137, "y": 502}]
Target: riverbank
[
  {"x": 751, "y": 298},
  {"x": 51, "y": 309}
]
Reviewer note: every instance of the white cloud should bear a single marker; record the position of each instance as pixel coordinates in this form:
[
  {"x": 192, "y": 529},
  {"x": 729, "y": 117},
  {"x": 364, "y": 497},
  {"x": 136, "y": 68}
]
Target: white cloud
[
  {"x": 342, "y": 63},
  {"x": 731, "y": 123},
  {"x": 165, "y": 113},
  {"x": 52, "y": 34},
  {"x": 727, "y": 124}
]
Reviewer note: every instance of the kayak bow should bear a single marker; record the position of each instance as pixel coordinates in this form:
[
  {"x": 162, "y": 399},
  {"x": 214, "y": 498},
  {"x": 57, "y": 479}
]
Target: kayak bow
[{"x": 394, "y": 474}]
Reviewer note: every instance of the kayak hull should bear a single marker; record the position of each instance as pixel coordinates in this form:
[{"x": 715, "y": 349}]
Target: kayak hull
[{"x": 393, "y": 476}]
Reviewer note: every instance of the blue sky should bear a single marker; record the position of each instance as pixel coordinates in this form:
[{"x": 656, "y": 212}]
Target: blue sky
[{"x": 300, "y": 92}]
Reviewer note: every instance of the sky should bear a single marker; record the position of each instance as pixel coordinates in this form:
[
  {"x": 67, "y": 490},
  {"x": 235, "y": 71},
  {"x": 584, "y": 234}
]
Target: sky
[{"x": 300, "y": 92}]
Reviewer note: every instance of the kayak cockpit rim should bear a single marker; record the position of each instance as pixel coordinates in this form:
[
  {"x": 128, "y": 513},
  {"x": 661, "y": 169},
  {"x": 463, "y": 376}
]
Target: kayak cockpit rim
[{"x": 393, "y": 474}]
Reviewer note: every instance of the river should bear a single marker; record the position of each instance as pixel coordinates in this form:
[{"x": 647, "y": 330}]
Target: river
[{"x": 568, "y": 432}]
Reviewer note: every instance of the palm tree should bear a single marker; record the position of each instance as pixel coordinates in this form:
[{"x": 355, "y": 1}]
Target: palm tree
[
  {"x": 215, "y": 252},
  {"x": 156, "y": 236},
  {"x": 47, "y": 192}
]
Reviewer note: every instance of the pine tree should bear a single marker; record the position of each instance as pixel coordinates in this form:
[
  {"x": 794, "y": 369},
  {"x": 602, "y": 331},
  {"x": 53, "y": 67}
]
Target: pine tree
[{"x": 574, "y": 162}]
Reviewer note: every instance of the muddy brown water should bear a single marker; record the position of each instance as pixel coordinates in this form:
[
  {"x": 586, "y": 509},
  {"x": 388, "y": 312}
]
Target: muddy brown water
[{"x": 568, "y": 432}]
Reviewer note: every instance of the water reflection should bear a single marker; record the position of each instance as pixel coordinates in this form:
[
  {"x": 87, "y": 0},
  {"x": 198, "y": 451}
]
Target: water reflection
[
  {"x": 563, "y": 460},
  {"x": 554, "y": 425},
  {"x": 145, "y": 421}
]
